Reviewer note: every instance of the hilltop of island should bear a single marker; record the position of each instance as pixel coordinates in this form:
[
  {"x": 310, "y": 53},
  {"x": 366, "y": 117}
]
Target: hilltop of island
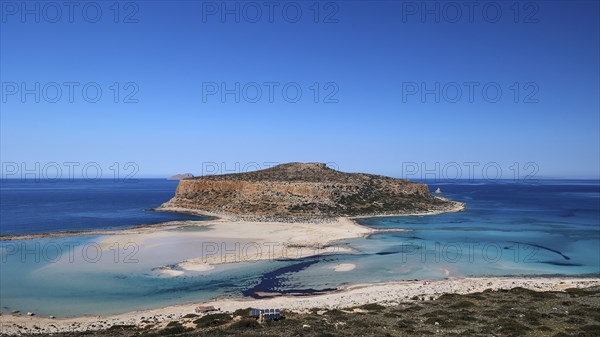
[{"x": 306, "y": 190}]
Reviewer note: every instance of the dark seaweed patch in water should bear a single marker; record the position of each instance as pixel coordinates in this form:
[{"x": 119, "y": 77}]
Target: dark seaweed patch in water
[
  {"x": 273, "y": 282},
  {"x": 409, "y": 237},
  {"x": 394, "y": 235},
  {"x": 386, "y": 253},
  {"x": 543, "y": 247},
  {"x": 192, "y": 286},
  {"x": 404, "y": 249},
  {"x": 566, "y": 264}
]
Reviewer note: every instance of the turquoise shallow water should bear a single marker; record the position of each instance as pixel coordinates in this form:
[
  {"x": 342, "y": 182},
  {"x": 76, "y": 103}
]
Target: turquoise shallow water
[{"x": 551, "y": 227}]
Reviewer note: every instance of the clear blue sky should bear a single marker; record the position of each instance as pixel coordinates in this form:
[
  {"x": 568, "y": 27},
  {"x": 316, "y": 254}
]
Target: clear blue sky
[{"x": 373, "y": 52}]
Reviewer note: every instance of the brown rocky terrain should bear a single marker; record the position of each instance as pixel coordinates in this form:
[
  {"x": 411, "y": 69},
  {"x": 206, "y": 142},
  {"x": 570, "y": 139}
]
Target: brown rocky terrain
[{"x": 306, "y": 190}]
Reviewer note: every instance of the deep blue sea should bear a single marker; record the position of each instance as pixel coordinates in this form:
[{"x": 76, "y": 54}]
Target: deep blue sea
[
  {"x": 67, "y": 205},
  {"x": 508, "y": 228}
]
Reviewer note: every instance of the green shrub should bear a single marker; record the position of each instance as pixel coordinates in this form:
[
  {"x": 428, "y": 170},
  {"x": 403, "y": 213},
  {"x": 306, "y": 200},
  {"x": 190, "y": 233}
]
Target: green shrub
[
  {"x": 121, "y": 327},
  {"x": 335, "y": 313},
  {"x": 173, "y": 323},
  {"x": 512, "y": 328},
  {"x": 575, "y": 292},
  {"x": 173, "y": 328},
  {"x": 372, "y": 306},
  {"x": 246, "y": 323},
  {"x": 212, "y": 320},
  {"x": 462, "y": 305},
  {"x": 592, "y": 330},
  {"x": 450, "y": 297},
  {"x": 242, "y": 312}
]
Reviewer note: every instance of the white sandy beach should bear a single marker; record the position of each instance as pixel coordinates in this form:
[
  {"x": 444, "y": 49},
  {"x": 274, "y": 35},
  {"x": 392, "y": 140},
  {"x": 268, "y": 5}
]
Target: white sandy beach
[
  {"x": 234, "y": 241},
  {"x": 384, "y": 293},
  {"x": 283, "y": 240}
]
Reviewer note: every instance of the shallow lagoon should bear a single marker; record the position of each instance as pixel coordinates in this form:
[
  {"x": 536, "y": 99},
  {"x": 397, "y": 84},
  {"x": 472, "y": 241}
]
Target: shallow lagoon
[{"x": 551, "y": 227}]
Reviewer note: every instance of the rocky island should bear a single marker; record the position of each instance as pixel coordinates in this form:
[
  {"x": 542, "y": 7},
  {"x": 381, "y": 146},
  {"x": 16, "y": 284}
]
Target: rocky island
[{"x": 305, "y": 190}]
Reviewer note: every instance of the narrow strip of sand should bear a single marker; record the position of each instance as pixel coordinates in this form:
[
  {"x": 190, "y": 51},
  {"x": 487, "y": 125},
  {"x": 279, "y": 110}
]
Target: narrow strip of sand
[
  {"x": 248, "y": 241},
  {"x": 145, "y": 229}
]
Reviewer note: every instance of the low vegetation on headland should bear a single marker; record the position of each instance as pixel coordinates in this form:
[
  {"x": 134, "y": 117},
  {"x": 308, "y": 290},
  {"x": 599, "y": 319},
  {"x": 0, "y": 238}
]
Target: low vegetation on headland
[{"x": 516, "y": 312}]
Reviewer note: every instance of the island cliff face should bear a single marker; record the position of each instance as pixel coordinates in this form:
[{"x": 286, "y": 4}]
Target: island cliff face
[{"x": 306, "y": 190}]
